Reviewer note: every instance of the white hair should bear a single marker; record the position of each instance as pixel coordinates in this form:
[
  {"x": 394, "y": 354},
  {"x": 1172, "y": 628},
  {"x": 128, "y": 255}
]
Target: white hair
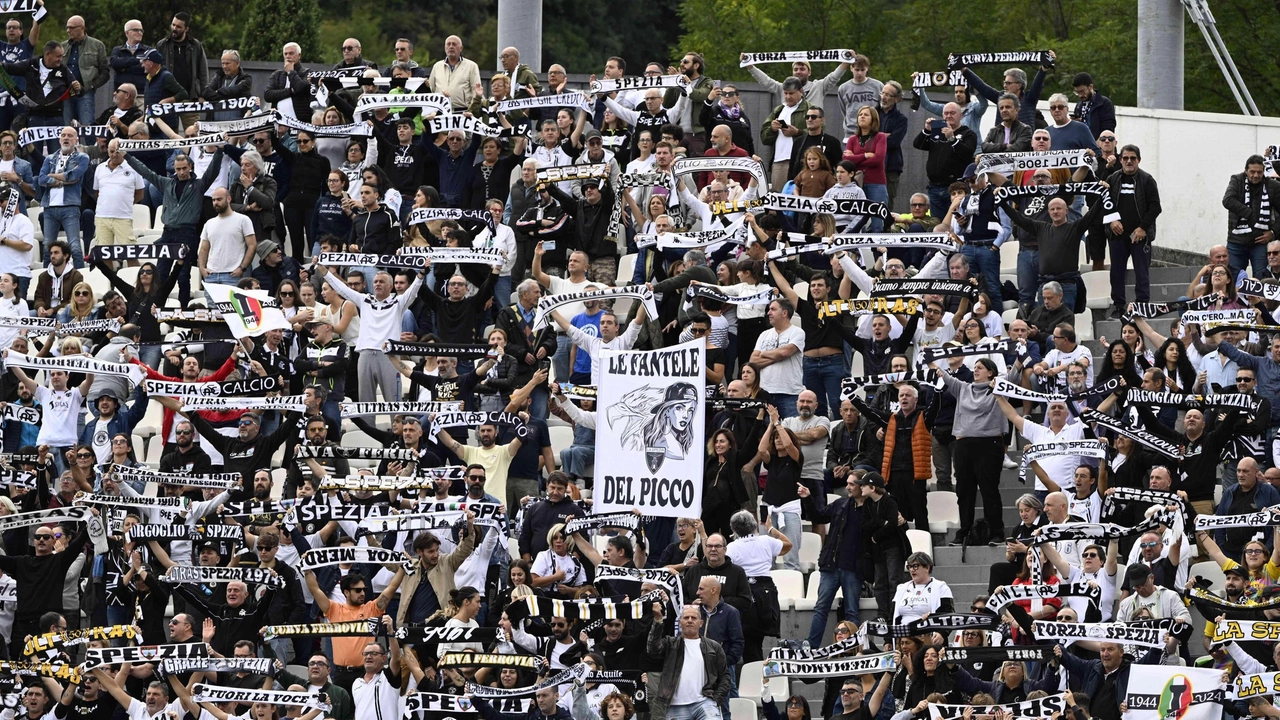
[{"x": 293, "y": 45}]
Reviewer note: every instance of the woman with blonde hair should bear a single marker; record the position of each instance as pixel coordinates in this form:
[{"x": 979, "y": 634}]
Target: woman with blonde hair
[{"x": 557, "y": 572}]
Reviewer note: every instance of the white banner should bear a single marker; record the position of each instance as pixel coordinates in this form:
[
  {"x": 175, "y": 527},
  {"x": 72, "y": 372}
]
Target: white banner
[
  {"x": 247, "y": 312},
  {"x": 572, "y": 98},
  {"x": 217, "y": 694},
  {"x": 76, "y": 364},
  {"x": 171, "y": 144},
  {"x": 652, "y": 433},
  {"x": 97, "y": 657},
  {"x": 1157, "y": 692},
  {"x": 286, "y": 403},
  {"x": 684, "y": 166},
  {"x": 1200, "y": 317},
  {"x": 464, "y": 123},
  {"x": 1041, "y": 708}
]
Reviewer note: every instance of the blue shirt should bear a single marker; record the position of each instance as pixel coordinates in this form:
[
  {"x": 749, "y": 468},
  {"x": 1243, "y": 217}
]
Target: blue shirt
[
  {"x": 17, "y": 52},
  {"x": 73, "y": 60},
  {"x": 589, "y": 324}
]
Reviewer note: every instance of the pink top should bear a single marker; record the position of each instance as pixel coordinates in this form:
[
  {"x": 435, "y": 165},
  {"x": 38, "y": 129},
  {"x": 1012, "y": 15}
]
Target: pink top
[{"x": 872, "y": 168}]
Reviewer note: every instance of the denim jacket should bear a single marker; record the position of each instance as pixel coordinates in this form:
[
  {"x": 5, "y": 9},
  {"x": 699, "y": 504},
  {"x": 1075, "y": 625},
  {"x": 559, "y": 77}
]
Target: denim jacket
[{"x": 75, "y": 172}]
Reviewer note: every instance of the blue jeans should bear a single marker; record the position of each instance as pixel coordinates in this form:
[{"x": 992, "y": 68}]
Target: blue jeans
[
  {"x": 179, "y": 235},
  {"x": 1028, "y": 271},
  {"x": 939, "y": 200},
  {"x": 786, "y": 405},
  {"x": 538, "y": 402},
  {"x": 789, "y": 524},
  {"x": 828, "y": 583},
  {"x": 79, "y": 108},
  {"x": 986, "y": 260},
  {"x": 704, "y": 709},
  {"x": 560, "y": 361},
  {"x": 880, "y": 194},
  {"x": 218, "y": 279},
  {"x": 575, "y": 459},
  {"x": 1241, "y": 255},
  {"x": 67, "y": 219},
  {"x": 822, "y": 375}
]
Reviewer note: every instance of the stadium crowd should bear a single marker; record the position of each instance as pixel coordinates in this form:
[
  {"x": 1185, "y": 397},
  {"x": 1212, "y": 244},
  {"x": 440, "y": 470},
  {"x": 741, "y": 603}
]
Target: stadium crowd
[{"x": 470, "y": 550}]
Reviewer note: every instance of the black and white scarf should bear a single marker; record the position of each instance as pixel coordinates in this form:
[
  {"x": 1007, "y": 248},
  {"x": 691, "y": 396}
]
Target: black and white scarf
[
  {"x": 175, "y": 531},
  {"x": 476, "y": 419},
  {"x": 257, "y": 666},
  {"x": 415, "y": 522},
  {"x": 1094, "y": 190},
  {"x": 67, "y": 638},
  {"x": 1151, "y": 440},
  {"x": 838, "y": 667},
  {"x": 217, "y": 694},
  {"x": 633, "y": 82},
  {"x": 181, "y": 504},
  {"x": 1139, "y": 495},
  {"x": 836, "y": 649},
  {"x": 1097, "y": 531},
  {"x": 1074, "y": 448},
  {"x": 76, "y": 365},
  {"x": 1150, "y": 310},
  {"x": 1009, "y": 389},
  {"x": 357, "y": 453},
  {"x": 575, "y": 674},
  {"x": 764, "y": 297},
  {"x": 573, "y": 172},
  {"x": 1187, "y": 401},
  {"x": 418, "y": 216},
  {"x": 933, "y": 354},
  {"x": 210, "y": 575},
  {"x": 849, "y": 386},
  {"x": 1267, "y": 517},
  {"x": 460, "y": 351},
  {"x": 586, "y": 609},
  {"x": 97, "y": 657},
  {"x": 857, "y": 241},
  {"x": 1254, "y": 287},
  {"x": 462, "y": 123},
  {"x": 428, "y": 102},
  {"x": 354, "y": 628},
  {"x": 1011, "y": 593},
  {"x": 1263, "y": 223},
  {"x": 717, "y": 404},
  {"x": 686, "y": 165},
  {"x": 790, "y": 56},
  {"x": 173, "y": 143},
  {"x": 1205, "y": 317},
  {"x": 415, "y": 634},
  {"x": 363, "y": 409},
  {"x": 146, "y": 251},
  {"x": 536, "y": 663},
  {"x": 626, "y": 520},
  {"x": 571, "y": 98},
  {"x": 458, "y": 255},
  {"x": 409, "y": 261},
  {"x": 326, "y": 557},
  {"x": 199, "y": 106},
  {"x": 542, "y": 314},
  {"x": 43, "y": 133},
  {"x": 1211, "y": 605},
  {"x": 1151, "y": 636},
  {"x": 284, "y": 403},
  {"x": 735, "y": 233},
  {"x": 943, "y": 623},
  {"x": 1048, "y": 706},
  {"x": 248, "y": 386},
  {"x": 1009, "y": 163},
  {"x": 1016, "y": 653},
  {"x": 1019, "y": 57}
]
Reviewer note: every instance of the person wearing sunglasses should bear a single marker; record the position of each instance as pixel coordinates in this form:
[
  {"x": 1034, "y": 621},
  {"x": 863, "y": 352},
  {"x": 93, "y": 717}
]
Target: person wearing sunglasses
[
  {"x": 38, "y": 578},
  {"x": 1136, "y": 195},
  {"x": 1097, "y": 565}
]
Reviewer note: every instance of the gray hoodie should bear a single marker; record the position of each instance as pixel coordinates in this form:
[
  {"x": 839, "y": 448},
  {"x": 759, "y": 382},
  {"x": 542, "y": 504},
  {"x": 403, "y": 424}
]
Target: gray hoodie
[{"x": 977, "y": 414}]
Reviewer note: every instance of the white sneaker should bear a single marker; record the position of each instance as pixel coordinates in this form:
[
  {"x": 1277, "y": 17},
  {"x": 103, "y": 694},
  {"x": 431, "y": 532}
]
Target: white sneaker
[{"x": 1009, "y": 464}]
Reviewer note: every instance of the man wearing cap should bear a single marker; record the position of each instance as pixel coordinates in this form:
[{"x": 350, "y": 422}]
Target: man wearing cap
[
  {"x": 841, "y": 551},
  {"x": 596, "y": 154},
  {"x": 1144, "y": 593},
  {"x": 324, "y": 363},
  {"x": 1235, "y": 580},
  {"x": 162, "y": 86},
  {"x": 273, "y": 267},
  {"x": 100, "y": 432},
  {"x": 981, "y": 224},
  {"x": 590, "y": 216},
  {"x": 882, "y": 537},
  {"x": 249, "y": 449}
]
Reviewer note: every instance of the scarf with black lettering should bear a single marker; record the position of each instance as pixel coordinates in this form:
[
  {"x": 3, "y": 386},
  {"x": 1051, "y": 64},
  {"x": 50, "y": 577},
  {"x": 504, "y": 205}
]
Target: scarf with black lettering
[
  {"x": 354, "y": 628},
  {"x": 575, "y": 674},
  {"x": 209, "y": 575},
  {"x": 1151, "y": 440},
  {"x": 324, "y": 557},
  {"x": 585, "y": 609},
  {"x": 1015, "y": 653},
  {"x": 86, "y": 327},
  {"x": 790, "y": 56},
  {"x": 542, "y": 314},
  {"x": 1150, "y": 310},
  {"x": 1098, "y": 531},
  {"x": 417, "y": 634},
  {"x": 428, "y": 102},
  {"x": 857, "y": 241},
  {"x": 1019, "y": 57},
  {"x": 764, "y": 297},
  {"x": 1261, "y": 518},
  {"x": 1187, "y": 401},
  {"x": 1151, "y": 636},
  {"x": 67, "y": 638},
  {"x": 1205, "y": 317},
  {"x": 735, "y": 233},
  {"x": 454, "y": 350},
  {"x": 76, "y": 364},
  {"x": 944, "y": 623},
  {"x": 362, "y": 409},
  {"x": 662, "y": 577},
  {"x": 185, "y": 143},
  {"x": 840, "y": 667},
  {"x": 1009, "y": 163},
  {"x": 1211, "y": 605},
  {"x": 1094, "y": 190},
  {"x": 97, "y": 657},
  {"x": 1075, "y": 448},
  {"x": 345, "y": 259},
  {"x": 476, "y": 419},
  {"x": 1004, "y": 387},
  {"x": 149, "y": 251},
  {"x": 1138, "y": 495},
  {"x": 933, "y": 354},
  {"x": 1254, "y": 287},
  {"x": 908, "y": 287},
  {"x": 22, "y": 413},
  {"x": 735, "y": 404},
  {"x": 1012, "y": 593},
  {"x": 217, "y": 694},
  {"x": 627, "y": 520},
  {"x": 415, "y": 522},
  {"x": 257, "y": 666},
  {"x": 1049, "y": 706},
  {"x": 786, "y": 652},
  {"x": 686, "y": 165},
  {"x": 214, "y": 481},
  {"x": 356, "y": 453},
  {"x": 849, "y": 386},
  {"x": 536, "y": 663}
]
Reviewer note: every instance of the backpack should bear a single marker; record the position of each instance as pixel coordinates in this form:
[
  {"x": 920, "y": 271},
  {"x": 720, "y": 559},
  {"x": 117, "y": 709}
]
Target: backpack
[{"x": 979, "y": 534}]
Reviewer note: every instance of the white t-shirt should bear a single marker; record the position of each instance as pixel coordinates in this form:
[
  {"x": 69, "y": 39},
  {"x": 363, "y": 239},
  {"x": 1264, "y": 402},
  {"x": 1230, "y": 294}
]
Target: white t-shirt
[
  {"x": 13, "y": 260},
  {"x": 1089, "y": 508},
  {"x": 785, "y": 377},
  {"x": 1060, "y": 468},
  {"x": 548, "y": 563},
  {"x": 992, "y": 323},
  {"x": 58, "y": 429},
  {"x": 375, "y": 700},
  {"x": 16, "y": 310},
  {"x": 782, "y": 146},
  {"x": 228, "y": 239},
  {"x": 1106, "y": 582},
  {"x": 115, "y": 190},
  {"x": 754, "y": 554},
  {"x": 138, "y": 710},
  {"x": 937, "y": 337},
  {"x": 693, "y": 677},
  {"x": 1056, "y": 357},
  {"x": 565, "y": 285},
  {"x": 912, "y": 601}
]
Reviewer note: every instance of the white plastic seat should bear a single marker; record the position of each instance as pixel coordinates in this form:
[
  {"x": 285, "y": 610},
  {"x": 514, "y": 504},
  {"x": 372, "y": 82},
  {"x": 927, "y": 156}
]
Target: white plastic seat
[
  {"x": 33, "y": 213},
  {"x": 810, "y": 547},
  {"x": 1210, "y": 571},
  {"x": 561, "y": 438},
  {"x": 1097, "y": 287},
  {"x": 141, "y": 218},
  {"x": 154, "y": 450},
  {"x": 1084, "y": 326},
  {"x": 35, "y": 280},
  {"x": 802, "y": 290},
  {"x": 751, "y": 681},
  {"x": 790, "y": 587},
  {"x": 920, "y": 541},
  {"x": 1008, "y": 316},
  {"x": 626, "y": 266},
  {"x": 944, "y": 511},
  {"x": 739, "y": 709},
  {"x": 99, "y": 282},
  {"x": 810, "y": 599},
  {"x": 1009, "y": 255},
  {"x": 359, "y": 439}
]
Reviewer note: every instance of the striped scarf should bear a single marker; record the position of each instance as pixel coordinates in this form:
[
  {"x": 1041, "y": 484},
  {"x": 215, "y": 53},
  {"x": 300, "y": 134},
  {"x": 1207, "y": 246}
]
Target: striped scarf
[{"x": 1262, "y": 224}]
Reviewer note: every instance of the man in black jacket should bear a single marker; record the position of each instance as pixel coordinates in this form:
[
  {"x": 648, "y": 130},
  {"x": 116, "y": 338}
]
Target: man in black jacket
[
  {"x": 950, "y": 146},
  {"x": 288, "y": 88},
  {"x": 545, "y": 514},
  {"x": 815, "y": 125},
  {"x": 1252, "y": 219},
  {"x": 1137, "y": 199},
  {"x": 734, "y": 587},
  {"x": 529, "y": 348},
  {"x": 882, "y": 536},
  {"x": 841, "y": 551},
  {"x": 229, "y": 83},
  {"x": 590, "y": 225},
  {"x": 249, "y": 449}
]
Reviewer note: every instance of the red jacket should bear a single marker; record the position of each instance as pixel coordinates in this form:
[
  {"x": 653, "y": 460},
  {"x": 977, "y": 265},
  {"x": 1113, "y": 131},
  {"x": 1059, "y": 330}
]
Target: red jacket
[{"x": 213, "y": 416}]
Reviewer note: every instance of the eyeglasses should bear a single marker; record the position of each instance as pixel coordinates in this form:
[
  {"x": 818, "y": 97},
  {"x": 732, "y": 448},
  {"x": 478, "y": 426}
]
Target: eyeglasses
[
  {"x": 1057, "y": 107},
  {"x": 795, "y": 703},
  {"x": 83, "y": 455},
  {"x": 318, "y": 663},
  {"x": 1106, "y": 139},
  {"x": 146, "y": 271},
  {"x": 1149, "y": 545},
  {"x": 372, "y": 653},
  {"x": 349, "y": 48},
  {"x": 286, "y": 293},
  {"x": 812, "y": 117},
  {"x": 729, "y": 93},
  {"x": 849, "y": 691},
  {"x": 559, "y": 624},
  {"x": 183, "y": 432},
  {"x": 1090, "y": 555},
  {"x": 1128, "y": 159},
  {"x": 919, "y": 204},
  {"x": 481, "y": 478},
  {"x": 246, "y": 422},
  {"x": 1254, "y": 551},
  {"x": 359, "y": 589},
  {"x": 44, "y": 536},
  {"x": 698, "y": 331},
  {"x": 914, "y": 566},
  {"x": 1244, "y": 379}
]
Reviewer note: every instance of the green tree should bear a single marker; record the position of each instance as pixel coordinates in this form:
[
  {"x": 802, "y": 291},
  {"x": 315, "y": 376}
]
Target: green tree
[
  {"x": 272, "y": 23},
  {"x": 217, "y": 25}
]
